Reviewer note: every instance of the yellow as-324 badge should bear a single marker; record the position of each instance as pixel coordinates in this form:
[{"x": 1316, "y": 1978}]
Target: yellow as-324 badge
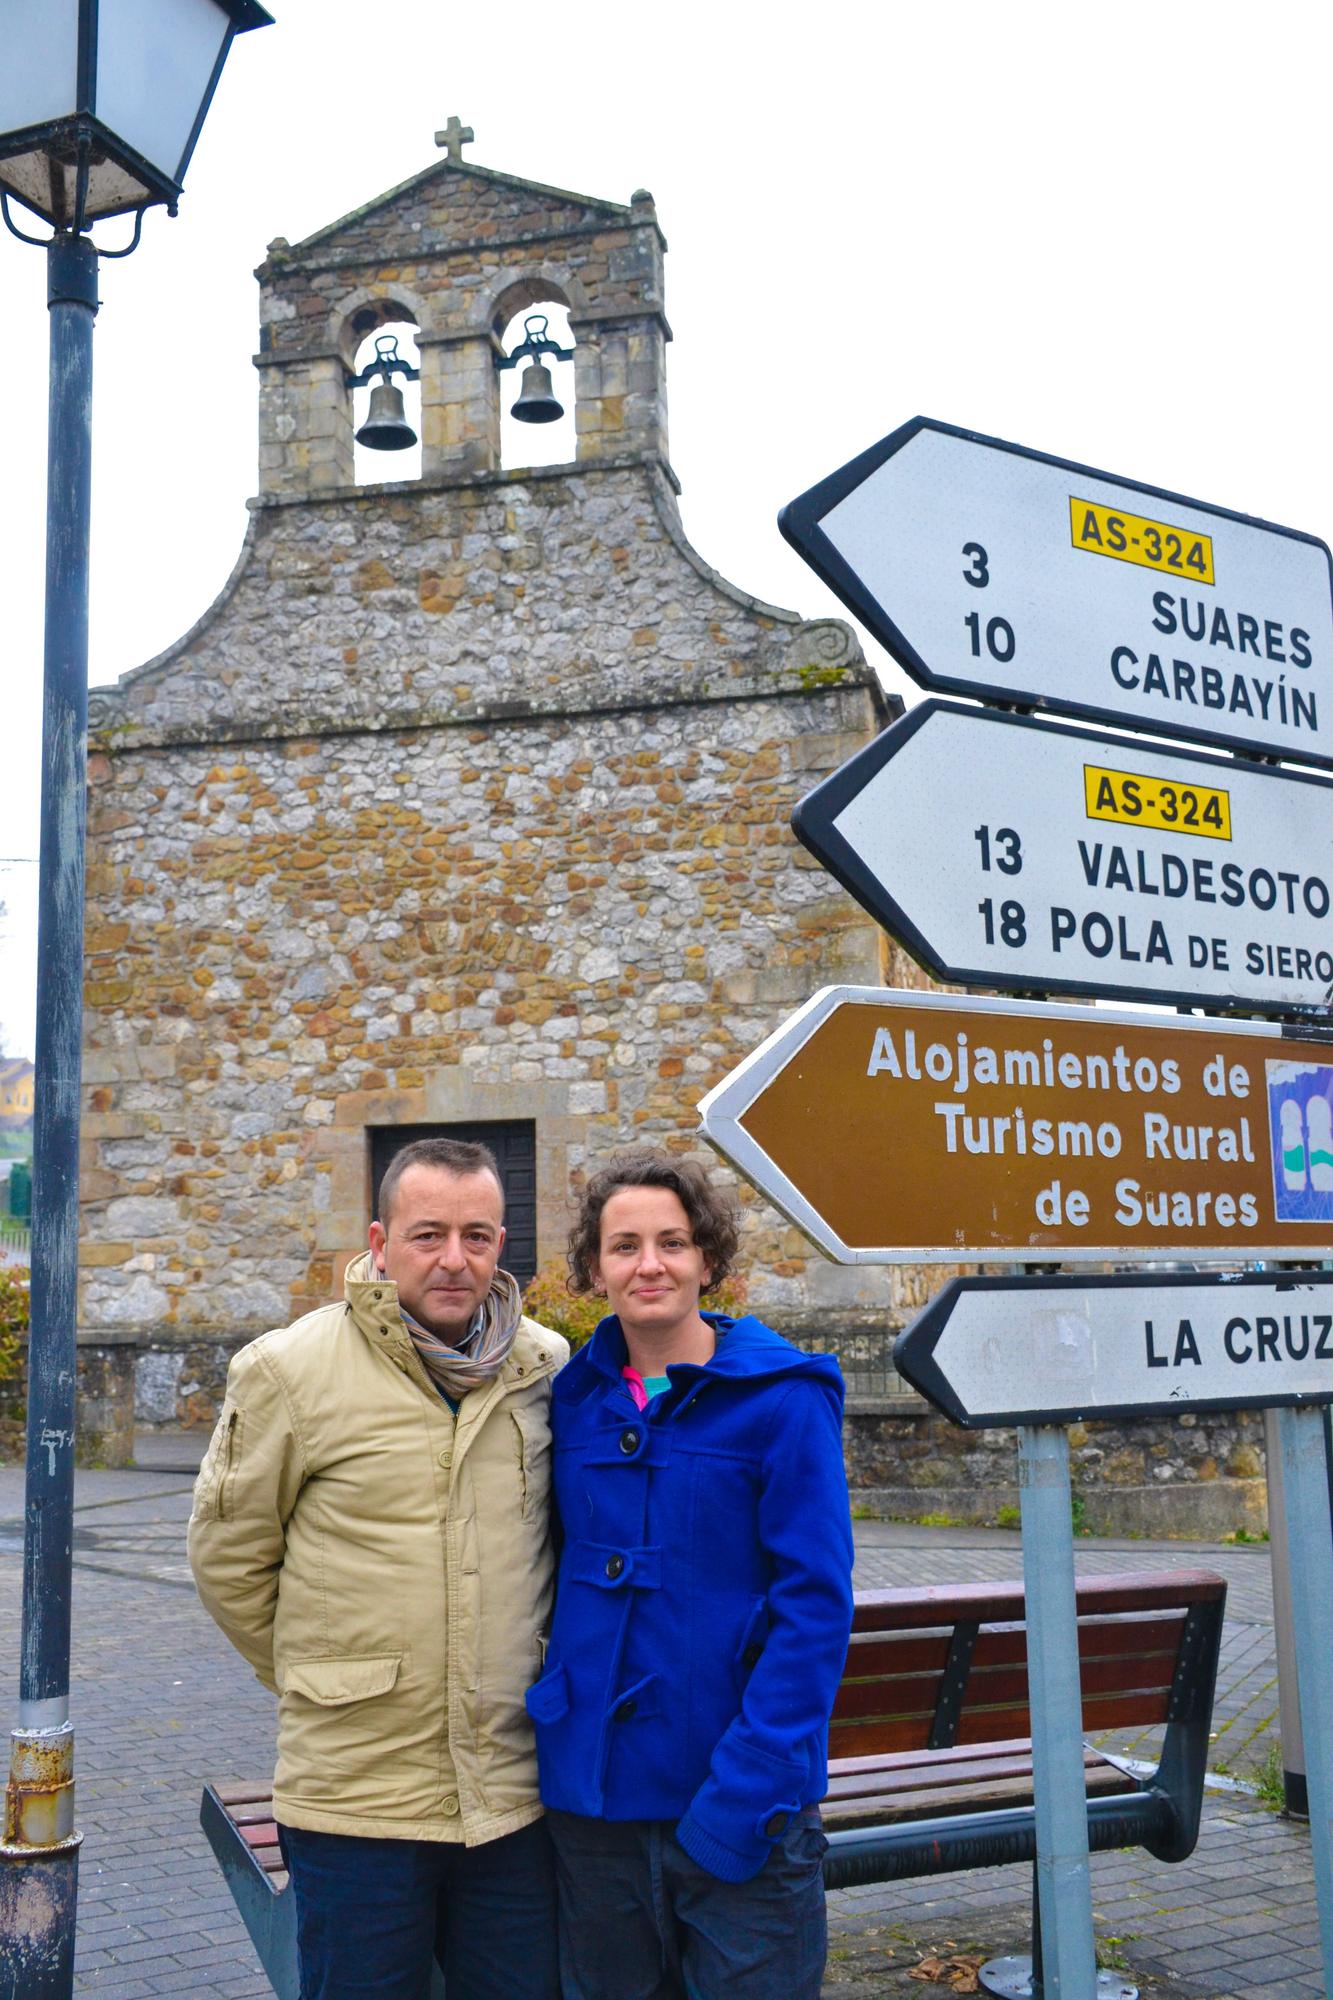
[
  {"x": 1133, "y": 538},
  {"x": 1132, "y": 798}
]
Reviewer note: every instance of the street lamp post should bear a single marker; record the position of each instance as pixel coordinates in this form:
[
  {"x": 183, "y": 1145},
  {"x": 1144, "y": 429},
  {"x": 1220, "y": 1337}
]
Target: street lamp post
[{"x": 100, "y": 108}]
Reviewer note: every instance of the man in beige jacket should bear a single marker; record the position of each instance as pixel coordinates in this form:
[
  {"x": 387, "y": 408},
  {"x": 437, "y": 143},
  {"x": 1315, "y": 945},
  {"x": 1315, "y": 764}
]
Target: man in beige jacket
[{"x": 370, "y": 1532}]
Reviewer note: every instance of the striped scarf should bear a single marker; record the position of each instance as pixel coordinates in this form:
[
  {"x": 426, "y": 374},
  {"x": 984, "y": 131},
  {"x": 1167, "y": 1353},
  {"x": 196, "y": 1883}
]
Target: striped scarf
[{"x": 487, "y": 1343}]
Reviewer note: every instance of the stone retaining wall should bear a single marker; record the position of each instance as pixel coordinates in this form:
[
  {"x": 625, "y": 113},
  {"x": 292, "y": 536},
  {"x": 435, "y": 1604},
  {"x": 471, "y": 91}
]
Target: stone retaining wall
[{"x": 1198, "y": 1476}]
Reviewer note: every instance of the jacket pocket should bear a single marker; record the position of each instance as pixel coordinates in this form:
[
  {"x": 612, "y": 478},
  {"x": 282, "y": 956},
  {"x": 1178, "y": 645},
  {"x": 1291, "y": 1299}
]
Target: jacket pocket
[
  {"x": 548, "y": 1700},
  {"x": 753, "y": 1638},
  {"x": 333, "y": 1683},
  {"x": 213, "y": 1489},
  {"x": 533, "y": 1431}
]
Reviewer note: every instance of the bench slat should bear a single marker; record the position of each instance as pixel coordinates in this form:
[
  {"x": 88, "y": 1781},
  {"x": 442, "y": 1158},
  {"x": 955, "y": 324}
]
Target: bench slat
[
  {"x": 1136, "y": 1590},
  {"x": 887, "y": 1807},
  {"x": 1104, "y": 1711},
  {"x": 1098, "y": 1639},
  {"x": 254, "y": 1791},
  {"x": 987, "y": 1687},
  {"x": 1003, "y": 1747},
  {"x": 916, "y": 1652},
  {"x": 897, "y": 1652},
  {"x": 895, "y": 1699},
  {"x": 929, "y": 1768}
]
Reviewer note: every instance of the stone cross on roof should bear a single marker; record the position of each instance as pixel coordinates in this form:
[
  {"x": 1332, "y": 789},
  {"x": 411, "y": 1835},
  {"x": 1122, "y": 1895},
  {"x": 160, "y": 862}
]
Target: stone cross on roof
[{"x": 454, "y": 137}]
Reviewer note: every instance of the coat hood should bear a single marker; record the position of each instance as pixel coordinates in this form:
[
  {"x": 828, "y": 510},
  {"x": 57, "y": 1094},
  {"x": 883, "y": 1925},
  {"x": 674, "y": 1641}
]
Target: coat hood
[{"x": 746, "y": 1350}]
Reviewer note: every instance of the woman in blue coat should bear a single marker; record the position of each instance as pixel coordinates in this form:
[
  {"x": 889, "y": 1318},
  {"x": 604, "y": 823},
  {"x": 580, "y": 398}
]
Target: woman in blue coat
[{"x": 702, "y": 1615}]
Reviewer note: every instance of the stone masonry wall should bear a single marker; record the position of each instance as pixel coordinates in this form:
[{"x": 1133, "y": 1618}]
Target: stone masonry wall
[
  {"x": 304, "y": 939},
  {"x": 468, "y": 801},
  {"x": 1198, "y": 1475},
  {"x": 525, "y": 594}
]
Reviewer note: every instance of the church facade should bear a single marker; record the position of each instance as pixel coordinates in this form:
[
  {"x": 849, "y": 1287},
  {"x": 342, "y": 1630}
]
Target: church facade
[{"x": 463, "y": 809}]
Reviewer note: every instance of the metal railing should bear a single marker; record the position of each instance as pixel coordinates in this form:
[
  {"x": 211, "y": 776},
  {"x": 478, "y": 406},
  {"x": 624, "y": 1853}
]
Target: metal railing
[{"x": 15, "y": 1240}]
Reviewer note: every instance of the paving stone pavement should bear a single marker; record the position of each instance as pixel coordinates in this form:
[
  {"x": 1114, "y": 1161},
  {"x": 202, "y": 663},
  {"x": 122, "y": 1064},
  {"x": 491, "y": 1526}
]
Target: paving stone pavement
[{"x": 161, "y": 1705}]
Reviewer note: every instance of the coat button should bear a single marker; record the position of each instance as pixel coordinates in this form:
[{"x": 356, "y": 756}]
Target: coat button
[
  {"x": 446, "y": 1459},
  {"x": 623, "y": 1711},
  {"x": 774, "y": 1824},
  {"x": 615, "y": 1566},
  {"x": 451, "y": 1806},
  {"x": 629, "y": 1442}
]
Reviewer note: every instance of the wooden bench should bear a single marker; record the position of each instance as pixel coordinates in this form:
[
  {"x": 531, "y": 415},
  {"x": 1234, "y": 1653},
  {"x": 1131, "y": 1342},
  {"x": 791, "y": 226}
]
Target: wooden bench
[
  {"x": 930, "y": 1767},
  {"x": 930, "y": 1752}
]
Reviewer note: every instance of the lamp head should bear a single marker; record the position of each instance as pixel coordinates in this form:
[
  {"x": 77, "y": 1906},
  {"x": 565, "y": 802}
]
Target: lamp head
[{"x": 102, "y": 101}]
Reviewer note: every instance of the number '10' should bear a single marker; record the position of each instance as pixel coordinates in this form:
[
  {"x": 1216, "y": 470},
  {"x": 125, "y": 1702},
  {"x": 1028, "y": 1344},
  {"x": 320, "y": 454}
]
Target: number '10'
[{"x": 998, "y": 636}]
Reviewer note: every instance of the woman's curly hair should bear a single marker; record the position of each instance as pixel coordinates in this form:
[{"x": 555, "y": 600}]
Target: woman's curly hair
[{"x": 713, "y": 1215}]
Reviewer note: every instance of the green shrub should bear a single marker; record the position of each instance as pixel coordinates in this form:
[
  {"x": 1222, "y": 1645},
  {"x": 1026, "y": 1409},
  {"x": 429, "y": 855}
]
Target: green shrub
[
  {"x": 547, "y": 1298},
  {"x": 13, "y": 1320}
]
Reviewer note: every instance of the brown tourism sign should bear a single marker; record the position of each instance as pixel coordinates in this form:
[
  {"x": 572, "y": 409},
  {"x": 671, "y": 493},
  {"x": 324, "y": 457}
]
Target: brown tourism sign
[{"x": 899, "y": 1127}]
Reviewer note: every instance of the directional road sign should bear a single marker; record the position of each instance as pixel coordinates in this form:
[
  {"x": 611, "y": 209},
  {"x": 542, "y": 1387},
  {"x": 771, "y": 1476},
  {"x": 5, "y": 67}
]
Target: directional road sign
[
  {"x": 1047, "y": 1350},
  {"x": 920, "y": 1128},
  {"x": 1017, "y": 854},
  {"x": 988, "y": 569}
]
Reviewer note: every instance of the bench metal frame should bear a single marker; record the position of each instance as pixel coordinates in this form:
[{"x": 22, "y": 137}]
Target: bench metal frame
[{"x": 1162, "y": 1815}]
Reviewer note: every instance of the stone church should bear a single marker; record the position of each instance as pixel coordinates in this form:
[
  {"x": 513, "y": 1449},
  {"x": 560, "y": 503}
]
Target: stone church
[{"x": 463, "y": 809}]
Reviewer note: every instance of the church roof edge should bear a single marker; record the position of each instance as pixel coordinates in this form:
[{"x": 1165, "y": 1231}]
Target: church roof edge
[{"x": 289, "y": 253}]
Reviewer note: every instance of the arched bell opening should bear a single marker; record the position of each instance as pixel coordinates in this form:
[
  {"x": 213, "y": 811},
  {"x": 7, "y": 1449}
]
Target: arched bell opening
[
  {"x": 537, "y": 393},
  {"x": 386, "y": 405}
]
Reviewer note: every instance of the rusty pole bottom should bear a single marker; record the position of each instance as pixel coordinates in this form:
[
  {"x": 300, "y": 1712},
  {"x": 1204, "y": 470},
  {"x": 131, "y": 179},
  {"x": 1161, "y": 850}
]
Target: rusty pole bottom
[
  {"x": 38, "y": 1892},
  {"x": 39, "y": 1867}
]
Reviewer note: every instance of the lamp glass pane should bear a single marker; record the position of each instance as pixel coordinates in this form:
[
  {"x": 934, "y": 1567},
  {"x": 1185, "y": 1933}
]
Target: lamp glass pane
[
  {"x": 39, "y": 68},
  {"x": 155, "y": 61}
]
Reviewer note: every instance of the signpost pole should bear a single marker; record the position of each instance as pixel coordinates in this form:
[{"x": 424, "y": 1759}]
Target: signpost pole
[
  {"x": 1064, "y": 1885},
  {"x": 1310, "y": 1562},
  {"x": 1294, "y": 1790}
]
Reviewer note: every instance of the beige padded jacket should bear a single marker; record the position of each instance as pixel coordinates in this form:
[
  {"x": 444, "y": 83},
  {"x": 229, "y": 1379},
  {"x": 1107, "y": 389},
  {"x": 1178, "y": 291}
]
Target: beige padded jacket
[{"x": 385, "y": 1568}]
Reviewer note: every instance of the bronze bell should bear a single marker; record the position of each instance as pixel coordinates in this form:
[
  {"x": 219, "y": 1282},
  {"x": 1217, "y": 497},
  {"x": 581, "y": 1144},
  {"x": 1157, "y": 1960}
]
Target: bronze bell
[
  {"x": 536, "y": 402},
  {"x": 386, "y": 427}
]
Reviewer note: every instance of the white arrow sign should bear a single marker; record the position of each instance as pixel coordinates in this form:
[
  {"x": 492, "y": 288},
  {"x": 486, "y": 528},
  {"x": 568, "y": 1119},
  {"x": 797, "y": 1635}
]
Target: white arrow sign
[
  {"x": 1018, "y": 854},
  {"x": 1054, "y": 1350},
  {"x": 988, "y": 569}
]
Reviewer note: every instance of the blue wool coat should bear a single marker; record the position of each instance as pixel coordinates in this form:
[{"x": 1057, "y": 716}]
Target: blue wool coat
[{"x": 704, "y": 1596}]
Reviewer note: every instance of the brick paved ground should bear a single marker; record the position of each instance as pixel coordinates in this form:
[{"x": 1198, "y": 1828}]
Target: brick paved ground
[{"x": 161, "y": 1704}]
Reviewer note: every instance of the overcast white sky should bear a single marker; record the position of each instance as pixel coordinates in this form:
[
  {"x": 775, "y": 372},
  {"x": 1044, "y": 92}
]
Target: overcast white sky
[{"x": 1098, "y": 232}]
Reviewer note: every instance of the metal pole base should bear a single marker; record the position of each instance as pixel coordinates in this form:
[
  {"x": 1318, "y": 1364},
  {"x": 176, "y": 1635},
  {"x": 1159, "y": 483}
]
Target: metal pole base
[
  {"x": 39, "y": 1867},
  {"x": 1011, "y": 1978},
  {"x": 38, "y": 1892}
]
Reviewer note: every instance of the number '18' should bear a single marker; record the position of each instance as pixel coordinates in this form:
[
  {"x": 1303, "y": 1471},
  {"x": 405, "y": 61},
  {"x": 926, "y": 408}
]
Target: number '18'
[{"x": 1012, "y": 926}]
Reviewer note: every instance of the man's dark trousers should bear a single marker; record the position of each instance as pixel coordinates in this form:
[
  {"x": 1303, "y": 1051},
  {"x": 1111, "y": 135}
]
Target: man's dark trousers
[{"x": 371, "y": 1915}]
